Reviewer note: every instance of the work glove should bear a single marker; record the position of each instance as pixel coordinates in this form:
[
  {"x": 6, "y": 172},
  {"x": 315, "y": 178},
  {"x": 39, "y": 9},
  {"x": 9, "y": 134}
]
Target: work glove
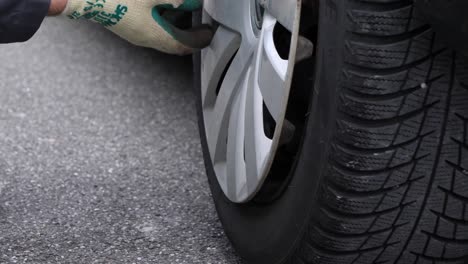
[{"x": 140, "y": 22}]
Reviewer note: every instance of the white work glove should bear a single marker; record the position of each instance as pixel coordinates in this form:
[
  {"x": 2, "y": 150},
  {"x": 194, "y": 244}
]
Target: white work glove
[{"x": 140, "y": 22}]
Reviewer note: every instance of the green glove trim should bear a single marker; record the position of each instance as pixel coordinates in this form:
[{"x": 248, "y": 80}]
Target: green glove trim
[
  {"x": 161, "y": 21},
  {"x": 188, "y": 5},
  {"x": 94, "y": 11}
]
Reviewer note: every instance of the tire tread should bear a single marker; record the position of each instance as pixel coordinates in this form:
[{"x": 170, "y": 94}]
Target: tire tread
[{"x": 396, "y": 186}]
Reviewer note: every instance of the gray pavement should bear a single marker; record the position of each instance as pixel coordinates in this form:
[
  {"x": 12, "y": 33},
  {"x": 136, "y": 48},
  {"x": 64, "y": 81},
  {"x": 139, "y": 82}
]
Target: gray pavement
[{"x": 100, "y": 159}]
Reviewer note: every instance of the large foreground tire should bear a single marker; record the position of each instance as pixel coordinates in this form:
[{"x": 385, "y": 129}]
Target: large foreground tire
[{"x": 382, "y": 172}]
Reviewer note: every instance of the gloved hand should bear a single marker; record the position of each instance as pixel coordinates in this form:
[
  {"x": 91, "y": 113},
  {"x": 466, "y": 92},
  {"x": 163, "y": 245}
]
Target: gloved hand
[{"x": 140, "y": 22}]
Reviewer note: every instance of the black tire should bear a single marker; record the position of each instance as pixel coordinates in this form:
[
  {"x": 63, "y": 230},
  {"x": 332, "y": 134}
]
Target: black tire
[{"x": 382, "y": 174}]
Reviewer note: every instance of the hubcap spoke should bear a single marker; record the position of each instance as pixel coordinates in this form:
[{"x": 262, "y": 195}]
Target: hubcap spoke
[
  {"x": 234, "y": 14},
  {"x": 258, "y": 146},
  {"x": 271, "y": 70},
  {"x": 236, "y": 171},
  {"x": 216, "y": 118},
  {"x": 283, "y": 10},
  {"x": 215, "y": 59}
]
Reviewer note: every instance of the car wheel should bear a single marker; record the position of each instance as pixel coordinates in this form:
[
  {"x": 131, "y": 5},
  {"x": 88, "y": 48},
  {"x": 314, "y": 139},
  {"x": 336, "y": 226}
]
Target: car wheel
[{"x": 355, "y": 154}]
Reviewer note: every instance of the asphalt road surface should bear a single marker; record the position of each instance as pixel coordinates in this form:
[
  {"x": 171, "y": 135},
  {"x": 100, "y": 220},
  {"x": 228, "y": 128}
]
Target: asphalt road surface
[{"x": 100, "y": 158}]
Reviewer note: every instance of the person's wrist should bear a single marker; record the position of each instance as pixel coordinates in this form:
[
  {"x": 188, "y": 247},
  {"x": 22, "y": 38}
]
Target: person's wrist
[{"x": 57, "y": 7}]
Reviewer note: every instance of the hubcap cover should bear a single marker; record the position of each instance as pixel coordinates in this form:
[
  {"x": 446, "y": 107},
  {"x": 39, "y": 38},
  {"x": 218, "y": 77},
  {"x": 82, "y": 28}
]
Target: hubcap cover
[{"x": 243, "y": 78}]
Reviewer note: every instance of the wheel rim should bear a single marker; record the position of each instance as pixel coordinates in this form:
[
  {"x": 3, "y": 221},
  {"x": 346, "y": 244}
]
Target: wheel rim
[{"x": 244, "y": 79}]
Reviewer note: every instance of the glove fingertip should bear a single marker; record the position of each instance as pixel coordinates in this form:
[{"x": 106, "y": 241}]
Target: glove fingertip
[{"x": 161, "y": 21}]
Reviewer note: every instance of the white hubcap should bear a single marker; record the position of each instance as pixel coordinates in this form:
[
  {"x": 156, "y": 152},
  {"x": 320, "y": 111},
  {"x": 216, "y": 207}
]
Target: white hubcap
[{"x": 241, "y": 72}]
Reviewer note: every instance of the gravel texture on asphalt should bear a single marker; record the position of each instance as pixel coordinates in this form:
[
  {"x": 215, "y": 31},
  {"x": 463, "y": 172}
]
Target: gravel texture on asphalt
[{"x": 99, "y": 154}]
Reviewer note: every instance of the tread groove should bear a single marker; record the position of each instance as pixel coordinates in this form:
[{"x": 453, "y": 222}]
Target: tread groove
[
  {"x": 363, "y": 234},
  {"x": 390, "y": 96},
  {"x": 444, "y": 259},
  {"x": 460, "y": 197},
  {"x": 389, "y": 169},
  {"x": 457, "y": 167},
  {"x": 446, "y": 239},
  {"x": 349, "y": 252},
  {"x": 356, "y": 194},
  {"x": 392, "y": 70},
  {"x": 458, "y": 221},
  {"x": 385, "y": 122},
  {"x": 383, "y": 40},
  {"x": 337, "y": 213},
  {"x": 384, "y": 149}
]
